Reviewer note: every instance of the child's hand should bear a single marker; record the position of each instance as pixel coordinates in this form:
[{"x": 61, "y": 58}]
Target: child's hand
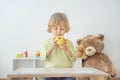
[
  {"x": 64, "y": 47},
  {"x": 54, "y": 45}
]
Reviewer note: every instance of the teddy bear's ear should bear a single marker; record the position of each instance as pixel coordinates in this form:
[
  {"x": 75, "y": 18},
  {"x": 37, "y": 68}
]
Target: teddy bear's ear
[
  {"x": 79, "y": 41},
  {"x": 100, "y": 36}
]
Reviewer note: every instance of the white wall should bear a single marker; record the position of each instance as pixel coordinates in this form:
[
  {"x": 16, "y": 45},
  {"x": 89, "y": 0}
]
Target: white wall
[{"x": 23, "y": 25}]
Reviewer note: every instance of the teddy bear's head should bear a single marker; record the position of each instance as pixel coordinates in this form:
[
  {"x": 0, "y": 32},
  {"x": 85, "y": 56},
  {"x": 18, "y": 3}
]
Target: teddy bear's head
[{"x": 91, "y": 44}]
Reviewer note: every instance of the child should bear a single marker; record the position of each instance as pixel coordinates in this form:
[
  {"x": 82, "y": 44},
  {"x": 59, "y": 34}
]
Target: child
[{"x": 58, "y": 55}]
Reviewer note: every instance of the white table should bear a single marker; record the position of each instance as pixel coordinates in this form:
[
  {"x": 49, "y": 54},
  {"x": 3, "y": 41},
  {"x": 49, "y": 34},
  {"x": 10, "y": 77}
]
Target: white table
[{"x": 56, "y": 72}]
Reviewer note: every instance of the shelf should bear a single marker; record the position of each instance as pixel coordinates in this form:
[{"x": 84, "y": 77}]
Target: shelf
[
  {"x": 28, "y": 62},
  {"x": 32, "y": 62}
]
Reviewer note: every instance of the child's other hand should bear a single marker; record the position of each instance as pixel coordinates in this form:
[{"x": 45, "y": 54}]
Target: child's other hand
[
  {"x": 64, "y": 47},
  {"x": 54, "y": 44}
]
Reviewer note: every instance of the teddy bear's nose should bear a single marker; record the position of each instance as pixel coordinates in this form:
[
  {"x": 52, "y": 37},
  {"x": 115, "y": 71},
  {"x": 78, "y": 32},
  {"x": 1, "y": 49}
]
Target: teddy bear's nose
[{"x": 90, "y": 51}]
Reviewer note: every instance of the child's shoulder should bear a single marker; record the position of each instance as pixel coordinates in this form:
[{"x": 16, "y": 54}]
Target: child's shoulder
[
  {"x": 49, "y": 39},
  {"x": 68, "y": 41}
]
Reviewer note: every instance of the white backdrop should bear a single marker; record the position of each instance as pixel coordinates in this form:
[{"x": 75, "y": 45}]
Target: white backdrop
[{"x": 23, "y": 25}]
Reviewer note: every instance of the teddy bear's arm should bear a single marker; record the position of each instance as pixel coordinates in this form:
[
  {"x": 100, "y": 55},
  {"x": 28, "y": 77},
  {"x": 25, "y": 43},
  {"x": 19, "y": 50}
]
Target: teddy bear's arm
[{"x": 111, "y": 68}]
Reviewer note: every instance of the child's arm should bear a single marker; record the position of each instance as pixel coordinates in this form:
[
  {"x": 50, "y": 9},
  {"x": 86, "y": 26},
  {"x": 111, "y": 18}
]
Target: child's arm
[
  {"x": 70, "y": 51},
  {"x": 52, "y": 47},
  {"x": 65, "y": 48}
]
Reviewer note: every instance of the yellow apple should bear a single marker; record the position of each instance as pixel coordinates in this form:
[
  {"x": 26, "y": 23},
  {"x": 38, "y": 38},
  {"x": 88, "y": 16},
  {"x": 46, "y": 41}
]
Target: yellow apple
[{"x": 60, "y": 40}]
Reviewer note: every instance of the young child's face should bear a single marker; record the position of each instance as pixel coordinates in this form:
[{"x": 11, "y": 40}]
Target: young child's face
[{"x": 58, "y": 30}]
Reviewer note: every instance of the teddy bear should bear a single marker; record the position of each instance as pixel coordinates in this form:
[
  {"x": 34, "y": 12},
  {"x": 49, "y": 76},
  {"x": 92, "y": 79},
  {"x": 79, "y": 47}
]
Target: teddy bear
[{"x": 90, "y": 49}]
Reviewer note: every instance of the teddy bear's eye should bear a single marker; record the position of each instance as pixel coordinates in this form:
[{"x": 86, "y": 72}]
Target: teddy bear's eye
[{"x": 97, "y": 42}]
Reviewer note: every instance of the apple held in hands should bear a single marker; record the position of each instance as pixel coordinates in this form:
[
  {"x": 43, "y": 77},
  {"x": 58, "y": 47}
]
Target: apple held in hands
[{"x": 60, "y": 40}]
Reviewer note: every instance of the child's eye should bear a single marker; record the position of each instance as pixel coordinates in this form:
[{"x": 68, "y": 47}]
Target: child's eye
[
  {"x": 62, "y": 28},
  {"x": 55, "y": 28}
]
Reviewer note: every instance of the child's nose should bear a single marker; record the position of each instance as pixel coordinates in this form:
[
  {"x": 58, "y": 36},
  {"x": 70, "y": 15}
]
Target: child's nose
[{"x": 58, "y": 30}]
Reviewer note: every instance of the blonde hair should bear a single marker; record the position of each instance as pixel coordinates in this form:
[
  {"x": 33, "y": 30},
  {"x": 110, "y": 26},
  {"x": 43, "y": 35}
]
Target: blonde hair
[{"x": 58, "y": 19}]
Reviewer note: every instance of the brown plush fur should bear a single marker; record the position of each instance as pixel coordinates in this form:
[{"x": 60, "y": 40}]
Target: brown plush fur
[{"x": 99, "y": 60}]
